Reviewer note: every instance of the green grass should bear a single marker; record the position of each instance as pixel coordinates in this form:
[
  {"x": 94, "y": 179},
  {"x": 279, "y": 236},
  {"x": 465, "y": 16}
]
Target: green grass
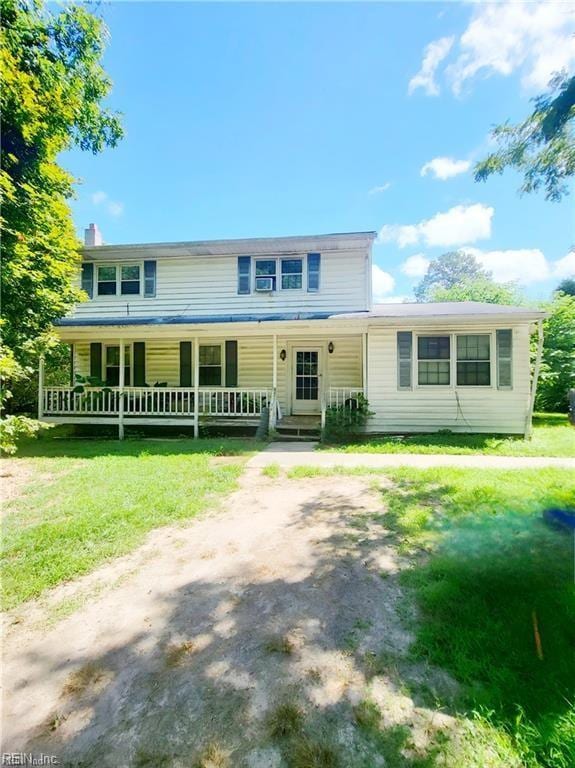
[
  {"x": 552, "y": 436},
  {"x": 483, "y": 562},
  {"x": 101, "y": 500}
]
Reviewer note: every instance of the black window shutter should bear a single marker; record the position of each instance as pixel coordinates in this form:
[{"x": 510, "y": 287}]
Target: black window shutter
[
  {"x": 185, "y": 363},
  {"x": 231, "y": 363},
  {"x": 149, "y": 279},
  {"x": 313, "y": 269},
  {"x": 139, "y": 364},
  {"x": 96, "y": 360},
  {"x": 244, "y": 271},
  {"x": 72, "y": 377},
  {"x": 88, "y": 278}
]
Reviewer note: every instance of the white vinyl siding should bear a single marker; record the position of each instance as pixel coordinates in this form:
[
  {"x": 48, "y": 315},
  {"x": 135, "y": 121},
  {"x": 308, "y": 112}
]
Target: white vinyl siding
[
  {"x": 208, "y": 286},
  {"x": 459, "y": 408}
]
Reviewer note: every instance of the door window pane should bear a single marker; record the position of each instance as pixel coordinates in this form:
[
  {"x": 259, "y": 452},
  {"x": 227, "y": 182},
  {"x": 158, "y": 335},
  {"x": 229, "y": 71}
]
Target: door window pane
[
  {"x": 307, "y": 380},
  {"x": 113, "y": 366}
]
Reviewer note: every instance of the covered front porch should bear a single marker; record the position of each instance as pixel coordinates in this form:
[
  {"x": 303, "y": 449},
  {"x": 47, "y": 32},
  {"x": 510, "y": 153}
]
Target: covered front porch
[{"x": 240, "y": 378}]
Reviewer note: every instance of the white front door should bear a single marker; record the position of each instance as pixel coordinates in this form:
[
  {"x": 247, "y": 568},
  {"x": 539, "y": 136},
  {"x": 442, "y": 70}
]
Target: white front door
[{"x": 306, "y": 383}]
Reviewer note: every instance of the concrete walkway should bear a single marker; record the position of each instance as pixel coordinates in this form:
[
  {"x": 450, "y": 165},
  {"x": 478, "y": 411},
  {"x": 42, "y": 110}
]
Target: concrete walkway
[{"x": 304, "y": 454}]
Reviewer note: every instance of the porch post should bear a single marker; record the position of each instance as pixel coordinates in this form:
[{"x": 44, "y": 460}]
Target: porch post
[
  {"x": 41, "y": 387},
  {"x": 121, "y": 391},
  {"x": 196, "y": 358},
  {"x": 273, "y": 405},
  {"x": 364, "y": 363}
]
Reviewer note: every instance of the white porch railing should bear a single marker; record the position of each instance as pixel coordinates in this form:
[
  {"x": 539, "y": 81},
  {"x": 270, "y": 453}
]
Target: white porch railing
[
  {"x": 338, "y": 396},
  {"x": 153, "y": 401}
]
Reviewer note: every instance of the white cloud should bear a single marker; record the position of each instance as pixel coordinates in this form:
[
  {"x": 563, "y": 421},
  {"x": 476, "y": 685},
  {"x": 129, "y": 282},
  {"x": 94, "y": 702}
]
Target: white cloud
[
  {"x": 99, "y": 197},
  {"x": 534, "y": 39},
  {"x": 113, "y": 207},
  {"x": 434, "y": 54},
  {"x": 395, "y": 300},
  {"x": 459, "y": 225},
  {"x": 415, "y": 266},
  {"x": 382, "y": 188},
  {"x": 565, "y": 267},
  {"x": 382, "y": 283},
  {"x": 445, "y": 167},
  {"x": 524, "y": 265}
]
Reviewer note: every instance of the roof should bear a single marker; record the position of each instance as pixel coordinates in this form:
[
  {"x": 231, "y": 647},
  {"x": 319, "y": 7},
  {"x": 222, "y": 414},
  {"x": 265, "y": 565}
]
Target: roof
[
  {"x": 462, "y": 310},
  {"x": 409, "y": 310},
  {"x": 252, "y": 246}
]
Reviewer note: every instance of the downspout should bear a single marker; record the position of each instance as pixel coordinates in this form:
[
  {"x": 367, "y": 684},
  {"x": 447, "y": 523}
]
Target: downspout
[{"x": 534, "y": 380}]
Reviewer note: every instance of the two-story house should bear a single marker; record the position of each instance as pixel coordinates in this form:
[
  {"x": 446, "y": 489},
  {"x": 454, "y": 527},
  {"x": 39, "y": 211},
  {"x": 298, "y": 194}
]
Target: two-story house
[{"x": 223, "y": 330}]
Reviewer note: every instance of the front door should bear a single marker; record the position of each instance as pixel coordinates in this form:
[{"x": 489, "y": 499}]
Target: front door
[{"x": 306, "y": 387}]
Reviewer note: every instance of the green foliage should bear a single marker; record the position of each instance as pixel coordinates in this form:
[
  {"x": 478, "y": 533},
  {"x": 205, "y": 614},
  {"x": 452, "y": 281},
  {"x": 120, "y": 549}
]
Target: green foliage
[
  {"x": 51, "y": 100},
  {"x": 557, "y": 374},
  {"x": 478, "y": 289},
  {"x": 345, "y": 419},
  {"x": 484, "y": 562},
  {"x": 567, "y": 286},
  {"x": 102, "y": 500},
  {"x": 542, "y": 147},
  {"x": 448, "y": 271}
]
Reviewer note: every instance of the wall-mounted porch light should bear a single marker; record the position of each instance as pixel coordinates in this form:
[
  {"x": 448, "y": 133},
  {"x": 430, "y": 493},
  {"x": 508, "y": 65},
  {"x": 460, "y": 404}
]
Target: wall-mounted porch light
[
  {"x": 330, "y": 347},
  {"x": 283, "y": 354}
]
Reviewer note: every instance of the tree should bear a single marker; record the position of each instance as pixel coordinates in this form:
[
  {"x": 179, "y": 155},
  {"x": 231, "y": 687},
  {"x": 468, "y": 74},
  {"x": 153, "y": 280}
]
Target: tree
[
  {"x": 567, "y": 286},
  {"x": 542, "y": 147},
  {"x": 447, "y": 271},
  {"x": 51, "y": 101},
  {"x": 558, "y": 362},
  {"x": 479, "y": 289}
]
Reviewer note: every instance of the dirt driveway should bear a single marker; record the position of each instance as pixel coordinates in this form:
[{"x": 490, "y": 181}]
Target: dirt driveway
[{"x": 209, "y": 636}]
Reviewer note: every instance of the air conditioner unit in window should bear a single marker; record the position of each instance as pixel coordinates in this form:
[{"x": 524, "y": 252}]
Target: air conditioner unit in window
[{"x": 264, "y": 284}]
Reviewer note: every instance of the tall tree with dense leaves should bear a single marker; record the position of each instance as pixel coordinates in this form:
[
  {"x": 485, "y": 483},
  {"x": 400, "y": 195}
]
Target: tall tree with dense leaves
[
  {"x": 558, "y": 363},
  {"x": 448, "y": 271},
  {"x": 479, "y": 289},
  {"x": 53, "y": 89},
  {"x": 567, "y": 286},
  {"x": 542, "y": 147}
]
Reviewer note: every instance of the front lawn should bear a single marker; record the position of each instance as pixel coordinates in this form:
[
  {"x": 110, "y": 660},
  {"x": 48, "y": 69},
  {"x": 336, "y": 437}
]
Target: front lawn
[
  {"x": 483, "y": 569},
  {"x": 552, "y": 436},
  {"x": 85, "y": 501}
]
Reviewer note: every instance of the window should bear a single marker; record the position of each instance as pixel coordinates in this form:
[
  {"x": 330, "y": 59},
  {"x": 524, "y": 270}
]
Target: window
[
  {"x": 473, "y": 361},
  {"x": 504, "y": 358},
  {"x": 210, "y": 365},
  {"x": 113, "y": 366},
  {"x": 292, "y": 274},
  {"x": 130, "y": 279},
  {"x": 265, "y": 271},
  {"x": 106, "y": 281},
  {"x": 126, "y": 277},
  {"x": 433, "y": 360}
]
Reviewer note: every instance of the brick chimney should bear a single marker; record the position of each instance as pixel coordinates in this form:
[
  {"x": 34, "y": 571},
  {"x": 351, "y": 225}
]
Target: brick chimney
[{"x": 92, "y": 236}]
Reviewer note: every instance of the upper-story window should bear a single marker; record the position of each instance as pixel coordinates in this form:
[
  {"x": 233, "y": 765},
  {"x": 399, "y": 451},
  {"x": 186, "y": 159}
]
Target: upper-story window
[
  {"x": 118, "y": 279},
  {"x": 266, "y": 275},
  {"x": 292, "y": 274}
]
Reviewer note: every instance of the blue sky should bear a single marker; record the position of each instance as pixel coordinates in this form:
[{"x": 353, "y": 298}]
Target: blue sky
[{"x": 252, "y": 120}]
